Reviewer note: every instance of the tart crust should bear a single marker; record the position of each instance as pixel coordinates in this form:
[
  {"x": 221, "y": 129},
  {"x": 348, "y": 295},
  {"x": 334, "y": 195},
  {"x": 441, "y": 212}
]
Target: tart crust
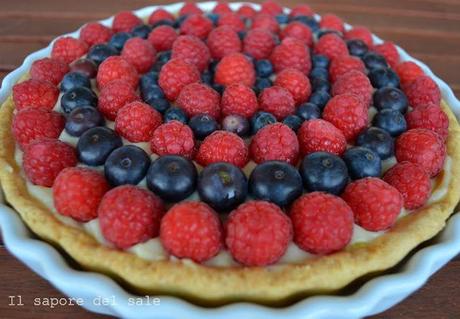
[{"x": 215, "y": 286}]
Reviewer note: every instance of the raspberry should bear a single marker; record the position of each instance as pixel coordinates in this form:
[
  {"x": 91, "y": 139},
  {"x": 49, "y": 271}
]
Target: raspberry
[
  {"x": 125, "y": 21},
  {"x": 411, "y": 181},
  {"x": 375, "y": 204},
  {"x": 176, "y": 74},
  {"x": 301, "y": 10},
  {"x": 223, "y": 41},
  {"x": 275, "y": 142},
  {"x": 291, "y": 53},
  {"x": 408, "y": 71},
  {"x": 360, "y": 33},
  {"x": 259, "y": 43},
  {"x": 192, "y": 230},
  {"x": 299, "y": 31},
  {"x": 77, "y": 192},
  {"x": 32, "y": 124},
  {"x": 239, "y": 99},
  {"x": 344, "y": 64},
  {"x": 389, "y": 52},
  {"x": 430, "y": 117},
  {"x": 192, "y": 50},
  {"x": 114, "y": 96},
  {"x": 116, "y": 68},
  {"x": 233, "y": 69},
  {"x": 323, "y": 223},
  {"x": 139, "y": 53},
  {"x": 45, "y": 158},
  {"x": 278, "y": 101},
  {"x": 347, "y": 113},
  {"x": 354, "y": 82},
  {"x": 35, "y": 94},
  {"x": 137, "y": 121},
  {"x": 50, "y": 70},
  {"x": 196, "y": 25},
  {"x": 271, "y": 7},
  {"x": 232, "y": 20},
  {"x": 222, "y": 146},
  {"x": 423, "y": 147},
  {"x": 265, "y": 21},
  {"x": 331, "y": 45},
  {"x": 68, "y": 49},
  {"x": 95, "y": 33},
  {"x": 197, "y": 98},
  {"x": 258, "y": 233},
  {"x": 189, "y": 8},
  {"x": 331, "y": 22},
  {"x": 221, "y": 8},
  {"x": 160, "y": 15},
  {"x": 423, "y": 91},
  {"x": 321, "y": 136},
  {"x": 246, "y": 11},
  {"x": 173, "y": 138},
  {"x": 296, "y": 83},
  {"x": 162, "y": 37},
  {"x": 129, "y": 215}
]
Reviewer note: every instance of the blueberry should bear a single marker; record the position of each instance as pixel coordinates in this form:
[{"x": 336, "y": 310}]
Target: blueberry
[
  {"x": 180, "y": 20},
  {"x": 374, "y": 60},
  {"x": 141, "y": 31},
  {"x": 362, "y": 162},
  {"x": 84, "y": 66},
  {"x": 324, "y": 172},
  {"x": 236, "y": 124},
  {"x": 378, "y": 140},
  {"x": 163, "y": 22},
  {"x": 293, "y": 121},
  {"x": 175, "y": 114},
  {"x": 261, "y": 119},
  {"x": 148, "y": 79},
  {"x": 223, "y": 186},
  {"x": 73, "y": 80},
  {"x": 282, "y": 18},
  {"x": 203, "y": 125},
  {"x": 213, "y": 17},
  {"x": 242, "y": 35},
  {"x": 320, "y": 61},
  {"x": 99, "y": 52},
  {"x": 82, "y": 119},
  {"x": 357, "y": 47},
  {"x": 308, "y": 21},
  {"x": 275, "y": 181},
  {"x": 320, "y": 84},
  {"x": 153, "y": 91},
  {"x": 164, "y": 56},
  {"x": 320, "y": 73},
  {"x": 322, "y": 32},
  {"x": 126, "y": 165},
  {"x": 320, "y": 98},
  {"x": 390, "y": 98},
  {"x": 119, "y": 39},
  {"x": 95, "y": 145},
  {"x": 308, "y": 111},
  {"x": 383, "y": 77},
  {"x": 161, "y": 105},
  {"x": 212, "y": 66},
  {"x": 79, "y": 96},
  {"x": 261, "y": 84},
  {"x": 264, "y": 68},
  {"x": 172, "y": 177},
  {"x": 207, "y": 78},
  {"x": 391, "y": 121},
  {"x": 218, "y": 88}
]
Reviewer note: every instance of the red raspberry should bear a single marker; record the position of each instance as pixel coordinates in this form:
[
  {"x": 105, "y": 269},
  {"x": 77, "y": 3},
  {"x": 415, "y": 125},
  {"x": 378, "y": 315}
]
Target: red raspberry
[
  {"x": 331, "y": 22},
  {"x": 239, "y": 99},
  {"x": 223, "y": 41},
  {"x": 221, "y": 8},
  {"x": 265, "y": 21},
  {"x": 296, "y": 83},
  {"x": 423, "y": 147},
  {"x": 129, "y": 215},
  {"x": 222, "y": 146},
  {"x": 125, "y": 21},
  {"x": 162, "y": 37},
  {"x": 192, "y": 50},
  {"x": 375, "y": 204},
  {"x": 259, "y": 43},
  {"x": 114, "y": 96},
  {"x": 408, "y": 71},
  {"x": 246, "y": 11},
  {"x": 344, "y": 64},
  {"x": 68, "y": 49},
  {"x": 139, "y": 53},
  {"x": 235, "y": 68},
  {"x": 45, "y": 158},
  {"x": 411, "y": 181},
  {"x": 116, "y": 68},
  {"x": 196, "y": 25},
  {"x": 331, "y": 45},
  {"x": 197, "y": 98},
  {"x": 354, "y": 82},
  {"x": 278, "y": 101},
  {"x": 431, "y": 117},
  {"x": 321, "y": 136},
  {"x": 423, "y": 91},
  {"x": 77, "y": 192},
  {"x": 176, "y": 74},
  {"x": 291, "y": 53},
  {"x": 301, "y": 10},
  {"x": 299, "y": 31},
  {"x": 173, "y": 138},
  {"x": 323, "y": 223},
  {"x": 258, "y": 233},
  {"x": 271, "y": 7},
  {"x": 95, "y": 33},
  {"x": 189, "y": 8},
  {"x": 137, "y": 121},
  {"x": 192, "y": 230},
  {"x": 35, "y": 94},
  {"x": 360, "y": 33},
  {"x": 348, "y": 113},
  {"x": 275, "y": 142},
  {"x": 32, "y": 124},
  {"x": 50, "y": 70},
  {"x": 159, "y": 15},
  {"x": 389, "y": 52},
  {"x": 232, "y": 20}
]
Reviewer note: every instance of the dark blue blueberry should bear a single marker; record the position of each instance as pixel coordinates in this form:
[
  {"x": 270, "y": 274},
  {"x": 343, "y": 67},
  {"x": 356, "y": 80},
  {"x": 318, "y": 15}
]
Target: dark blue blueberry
[
  {"x": 161, "y": 105},
  {"x": 383, "y": 77},
  {"x": 202, "y": 125},
  {"x": 374, "y": 60},
  {"x": 79, "y": 96},
  {"x": 223, "y": 186},
  {"x": 212, "y": 66},
  {"x": 357, "y": 47},
  {"x": 390, "y": 98},
  {"x": 320, "y": 84},
  {"x": 282, "y": 18},
  {"x": 164, "y": 57},
  {"x": 141, "y": 31},
  {"x": 261, "y": 119},
  {"x": 180, "y": 20},
  {"x": 241, "y": 35},
  {"x": 308, "y": 21},
  {"x": 319, "y": 73},
  {"x": 175, "y": 114},
  {"x": 236, "y": 124},
  {"x": 322, "y": 32},
  {"x": 324, "y": 172},
  {"x": 320, "y": 61},
  {"x": 119, "y": 39},
  {"x": 84, "y": 66},
  {"x": 99, "y": 52},
  {"x": 391, "y": 121},
  {"x": 320, "y": 98},
  {"x": 126, "y": 165},
  {"x": 153, "y": 91},
  {"x": 308, "y": 111},
  {"x": 96, "y": 144},
  {"x": 207, "y": 78},
  {"x": 163, "y": 22},
  {"x": 362, "y": 162},
  {"x": 275, "y": 181},
  {"x": 172, "y": 177},
  {"x": 82, "y": 119},
  {"x": 219, "y": 88},
  {"x": 378, "y": 140},
  {"x": 264, "y": 68},
  {"x": 293, "y": 121},
  {"x": 213, "y": 17},
  {"x": 147, "y": 80},
  {"x": 261, "y": 84},
  {"x": 73, "y": 80}
]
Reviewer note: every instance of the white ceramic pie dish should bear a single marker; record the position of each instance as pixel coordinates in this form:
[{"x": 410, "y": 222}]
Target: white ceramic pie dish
[{"x": 374, "y": 296}]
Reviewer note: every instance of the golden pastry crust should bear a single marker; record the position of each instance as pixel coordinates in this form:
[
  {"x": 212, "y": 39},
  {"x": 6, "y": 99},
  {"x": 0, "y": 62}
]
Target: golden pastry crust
[{"x": 211, "y": 285}]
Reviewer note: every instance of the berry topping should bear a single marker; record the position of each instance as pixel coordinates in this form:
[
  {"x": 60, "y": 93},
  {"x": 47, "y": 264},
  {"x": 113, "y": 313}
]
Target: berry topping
[
  {"x": 344, "y": 64},
  {"x": 118, "y": 40},
  {"x": 77, "y": 97},
  {"x": 49, "y": 70},
  {"x": 95, "y": 33},
  {"x": 265, "y": 21},
  {"x": 35, "y": 94},
  {"x": 114, "y": 96},
  {"x": 84, "y": 66},
  {"x": 293, "y": 122},
  {"x": 360, "y": 33},
  {"x": 232, "y": 20},
  {"x": 197, "y": 98},
  {"x": 235, "y": 68},
  {"x": 391, "y": 121},
  {"x": 176, "y": 74},
  {"x": 321, "y": 136},
  {"x": 422, "y": 91},
  {"x": 116, "y": 68},
  {"x": 240, "y": 100},
  {"x": 260, "y": 120},
  {"x": 374, "y": 60},
  {"x": 298, "y": 30},
  {"x": 82, "y": 119},
  {"x": 354, "y": 82},
  {"x": 191, "y": 50},
  {"x": 390, "y": 98},
  {"x": 173, "y": 138},
  {"x": 408, "y": 71},
  {"x": 137, "y": 121},
  {"x": 236, "y": 124},
  {"x": 264, "y": 68},
  {"x": 331, "y": 22},
  {"x": 125, "y": 21},
  {"x": 197, "y": 25},
  {"x": 259, "y": 43},
  {"x": 162, "y": 37},
  {"x": 189, "y": 8},
  {"x": 203, "y": 125},
  {"x": 362, "y": 162},
  {"x": 357, "y": 47},
  {"x": 308, "y": 111},
  {"x": 278, "y": 101},
  {"x": 383, "y": 77},
  {"x": 389, "y": 51},
  {"x": 95, "y": 145},
  {"x": 223, "y": 41},
  {"x": 100, "y": 52},
  {"x": 378, "y": 140},
  {"x": 431, "y": 117},
  {"x": 139, "y": 53},
  {"x": 73, "y": 80},
  {"x": 160, "y": 14},
  {"x": 175, "y": 114},
  {"x": 291, "y": 53},
  {"x": 296, "y": 83},
  {"x": 68, "y": 49},
  {"x": 331, "y": 45},
  {"x": 126, "y": 165}
]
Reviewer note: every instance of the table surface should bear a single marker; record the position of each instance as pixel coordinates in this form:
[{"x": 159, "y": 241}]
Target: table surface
[{"x": 428, "y": 29}]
